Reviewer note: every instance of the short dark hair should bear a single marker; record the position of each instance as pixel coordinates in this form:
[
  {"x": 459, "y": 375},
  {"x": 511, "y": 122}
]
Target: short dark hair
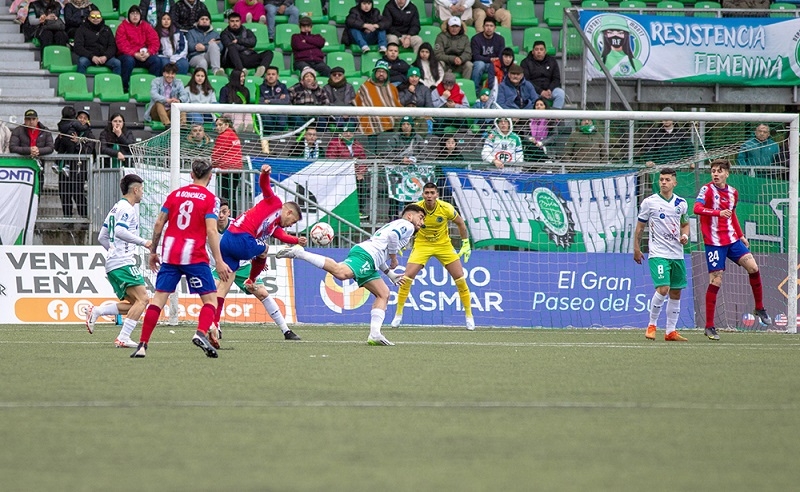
[
  {"x": 490, "y": 19},
  {"x": 68, "y": 113},
  {"x": 296, "y": 208},
  {"x": 721, "y": 163},
  {"x": 201, "y": 168},
  {"x": 507, "y": 52},
  {"x": 670, "y": 171},
  {"x": 539, "y": 42},
  {"x": 272, "y": 67},
  {"x": 234, "y": 15},
  {"x": 170, "y": 68},
  {"x": 393, "y": 44},
  {"x": 223, "y": 202},
  {"x": 429, "y": 185},
  {"x": 128, "y": 180},
  {"x": 412, "y": 207}
]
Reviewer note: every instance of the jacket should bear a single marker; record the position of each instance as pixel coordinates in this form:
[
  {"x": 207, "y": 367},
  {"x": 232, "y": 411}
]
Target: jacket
[
  {"x": 185, "y": 14},
  {"x": 111, "y": 144},
  {"x": 157, "y": 90},
  {"x": 447, "y": 47},
  {"x": 485, "y": 49},
  {"x": 180, "y": 49},
  {"x": 397, "y": 69},
  {"x": 74, "y": 15},
  {"x": 227, "y": 153},
  {"x": 195, "y": 36},
  {"x": 278, "y": 94},
  {"x": 340, "y": 96},
  {"x": 421, "y": 97},
  {"x": 94, "y": 40},
  {"x": 356, "y": 19},
  {"x": 401, "y": 21},
  {"x": 302, "y": 96},
  {"x": 20, "y": 142},
  {"x": 507, "y": 95},
  {"x": 544, "y": 75},
  {"x": 337, "y": 149},
  {"x": 245, "y": 40},
  {"x": 131, "y": 38},
  {"x": 308, "y": 47}
]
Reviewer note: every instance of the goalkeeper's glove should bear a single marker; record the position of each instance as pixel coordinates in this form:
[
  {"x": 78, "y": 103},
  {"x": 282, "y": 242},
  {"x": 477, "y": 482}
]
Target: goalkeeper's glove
[
  {"x": 465, "y": 251},
  {"x": 394, "y": 277}
]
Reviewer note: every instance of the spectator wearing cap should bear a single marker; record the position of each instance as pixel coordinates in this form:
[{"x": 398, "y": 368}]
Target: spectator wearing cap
[
  {"x": 273, "y": 91},
  {"x": 307, "y": 49},
  {"x": 137, "y": 46},
  {"x": 364, "y": 26},
  {"x": 460, "y": 9},
  {"x": 515, "y": 92},
  {"x": 453, "y": 47},
  {"x": 484, "y": 102},
  {"x": 448, "y": 94},
  {"x": 32, "y": 138},
  {"x": 280, "y": 7},
  {"x": 205, "y": 50},
  {"x": 340, "y": 93},
  {"x": 377, "y": 92},
  {"x": 307, "y": 92},
  {"x": 238, "y": 43},
  {"x": 412, "y": 93},
  {"x": 403, "y": 26},
  {"x": 542, "y": 71},
  {"x": 94, "y": 44},
  {"x": 345, "y": 146},
  {"x": 398, "y": 68}
]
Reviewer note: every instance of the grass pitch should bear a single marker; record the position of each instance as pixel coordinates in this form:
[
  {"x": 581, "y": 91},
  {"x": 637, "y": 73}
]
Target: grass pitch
[{"x": 445, "y": 409}]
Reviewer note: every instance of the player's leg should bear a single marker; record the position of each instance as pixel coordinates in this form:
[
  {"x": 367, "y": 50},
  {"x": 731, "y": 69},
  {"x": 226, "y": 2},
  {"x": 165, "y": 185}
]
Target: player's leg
[
  {"x": 201, "y": 282},
  {"x": 166, "y": 278},
  {"x": 677, "y": 282},
  {"x": 715, "y": 260},
  {"x": 748, "y": 262},
  {"x": 380, "y": 290},
  {"x": 456, "y": 270},
  {"x": 339, "y": 270},
  {"x": 120, "y": 279},
  {"x": 137, "y": 297},
  {"x": 659, "y": 272},
  {"x": 412, "y": 269},
  {"x": 272, "y": 308},
  {"x": 258, "y": 263}
]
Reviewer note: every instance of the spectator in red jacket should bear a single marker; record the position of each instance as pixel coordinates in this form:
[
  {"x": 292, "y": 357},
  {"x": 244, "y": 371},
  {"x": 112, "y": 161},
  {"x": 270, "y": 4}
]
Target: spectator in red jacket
[
  {"x": 137, "y": 46},
  {"x": 227, "y": 154},
  {"x": 307, "y": 49}
]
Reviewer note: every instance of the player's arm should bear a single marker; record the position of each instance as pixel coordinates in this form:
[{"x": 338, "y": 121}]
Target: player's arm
[
  {"x": 103, "y": 238},
  {"x": 701, "y": 209},
  {"x": 287, "y": 238},
  {"x": 684, "y": 229},
  {"x": 212, "y": 239},
  {"x": 263, "y": 182},
  {"x": 466, "y": 248},
  {"x": 637, "y": 241},
  {"x": 121, "y": 232}
]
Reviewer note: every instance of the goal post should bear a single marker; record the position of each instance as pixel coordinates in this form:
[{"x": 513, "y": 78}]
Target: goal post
[{"x": 568, "y": 206}]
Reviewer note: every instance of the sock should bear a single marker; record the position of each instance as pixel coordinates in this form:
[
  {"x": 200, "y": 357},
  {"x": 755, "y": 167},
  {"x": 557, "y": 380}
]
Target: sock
[
  {"x": 256, "y": 267},
  {"x": 711, "y": 303},
  {"x": 673, "y": 310},
  {"x": 149, "y": 323},
  {"x": 313, "y": 258},
  {"x": 275, "y": 313},
  {"x": 655, "y": 307},
  {"x": 463, "y": 294},
  {"x": 220, "y": 305},
  {"x": 106, "y": 310},
  {"x": 758, "y": 291},
  {"x": 127, "y": 328},
  {"x": 207, "y": 313},
  {"x": 402, "y": 295},
  {"x": 375, "y": 322}
]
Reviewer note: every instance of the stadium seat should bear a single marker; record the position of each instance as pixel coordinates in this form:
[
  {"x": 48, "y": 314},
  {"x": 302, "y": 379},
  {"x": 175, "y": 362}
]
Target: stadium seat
[
  {"x": 670, "y": 8},
  {"x": 106, "y": 8},
  {"x": 95, "y": 111},
  {"x": 57, "y": 59},
  {"x": 331, "y": 36},
  {"x": 313, "y": 9},
  {"x": 574, "y": 42},
  {"x": 781, "y": 9},
  {"x": 140, "y": 87},
  {"x": 141, "y": 135},
  {"x": 468, "y": 87},
  {"x": 522, "y": 13},
  {"x": 424, "y": 18},
  {"x": 338, "y": 10},
  {"x": 368, "y": 62},
  {"x": 289, "y": 81},
  {"x": 97, "y": 69},
  {"x": 356, "y": 82},
  {"x": 408, "y": 57},
  {"x": 213, "y": 10},
  {"x": 532, "y": 34},
  {"x": 345, "y": 60},
  {"x": 632, "y": 4},
  {"x": 72, "y": 87},
  {"x": 185, "y": 78},
  {"x": 283, "y": 35},
  {"x": 262, "y": 36},
  {"x": 253, "y": 83},
  {"x": 506, "y": 33},
  {"x": 217, "y": 82},
  {"x": 108, "y": 88},
  {"x": 553, "y": 14},
  {"x": 113, "y": 24},
  {"x": 429, "y": 33},
  {"x": 129, "y": 113},
  {"x": 279, "y": 61},
  {"x": 124, "y": 5},
  {"x": 713, "y": 9},
  {"x": 594, "y": 4}
]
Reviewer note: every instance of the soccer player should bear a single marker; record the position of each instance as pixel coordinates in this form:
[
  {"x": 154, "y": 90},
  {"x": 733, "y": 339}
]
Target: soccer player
[
  {"x": 366, "y": 259},
  {"x": 245, "y": 240},
  {"x": 190, "y": 217},
  {"x": 665, "y": 214},
  {"x": 723, "y": 238},
  {"x": 120, "y": 237},
  {"x": 434, "y": 240}
]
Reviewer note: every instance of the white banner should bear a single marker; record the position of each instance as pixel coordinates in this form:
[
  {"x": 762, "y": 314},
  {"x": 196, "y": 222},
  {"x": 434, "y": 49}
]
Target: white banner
[{"x": 19, "y": 200}]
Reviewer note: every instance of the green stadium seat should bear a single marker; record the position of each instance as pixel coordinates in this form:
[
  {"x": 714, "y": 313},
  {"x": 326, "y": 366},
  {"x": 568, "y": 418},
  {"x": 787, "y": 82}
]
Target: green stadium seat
[
  {"x": 217, "y": 82},
  {"x": 283, "y": 35},
  {"x": 58, "y": 59},
  {"x": 574, "y": 42},
  {"x": 781, "y": 10},
  {"x": 113, "y": 24},
  {"x": 429, "y": 33},
  {"x": 279, "y": 61},
  {"x": 506, "y": 33},
  {"x": 424, "y": 18},
  {"x": 328, "y": 31},
  {"x": 108, "y": 88},
  {"x": 532, "y": 34},
  {"x": 313, "y": 9},
  {"x": 253, "y": 83},
  {"x": 185, "y": 78},
  {"x": 356, "y": 82},
  {"x": 368, "y": 62},
  {"x": 97, "y": 70},
  {"x": 632, "y": 4},
  {"x": 345, "y": 60},
  {"x": 408, "y": 57},
  {"x": 594, "y": 4},
  {"x": 713, "y": 9},
  {"x": 262, "y": 36},
  {"x": 553, "y": 14},
  {"x": 106, "y": 8},
  {"x": 124, "y": 6},
  {"x": 213, "y": 10},
  {"x": 289, "y": 81},
  {"x": 468, "y": 87},
  {"x": 522, "y": 13},
  {"x": 338, "y": 10},
  {"x": 670, "y": 8},
  {"x": 140, "y": 87},
  {"x": 72, "y": 87}
]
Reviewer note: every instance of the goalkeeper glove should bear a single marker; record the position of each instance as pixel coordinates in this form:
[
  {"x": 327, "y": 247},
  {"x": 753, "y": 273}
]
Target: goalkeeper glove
[
  {"x": 394, "y": 277},
  {"x": 466, "y": 250}
]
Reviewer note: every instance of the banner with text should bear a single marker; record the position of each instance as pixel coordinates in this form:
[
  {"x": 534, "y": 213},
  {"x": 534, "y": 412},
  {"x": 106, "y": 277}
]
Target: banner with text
[
  {"x": 19, "y": 200},
  {"x": 405, "y": 182},
  {"x": 755, "y": 51},
  {"x": 592, "y": 212}
]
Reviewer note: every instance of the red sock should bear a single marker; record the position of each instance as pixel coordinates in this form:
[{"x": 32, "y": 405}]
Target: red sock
[
  {"x": 220, "y": 305},
  {"x": 711, "y": 303},
  {"x": 151, "y": 316},
  {"x": 256, "y": 266},
  {"x": 207, "y": 314},
  {"x": 758, "y": 290}
]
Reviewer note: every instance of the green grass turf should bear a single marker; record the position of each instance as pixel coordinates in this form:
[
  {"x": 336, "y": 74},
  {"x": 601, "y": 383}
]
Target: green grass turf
[{"x": 445, "y": 409}]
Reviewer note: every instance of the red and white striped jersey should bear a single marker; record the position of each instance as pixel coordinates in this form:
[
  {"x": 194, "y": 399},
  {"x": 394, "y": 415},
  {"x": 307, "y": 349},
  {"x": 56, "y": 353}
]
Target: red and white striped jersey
[
  {"x": 718, "y": 230},
  {"x": 187, "y": 209}
]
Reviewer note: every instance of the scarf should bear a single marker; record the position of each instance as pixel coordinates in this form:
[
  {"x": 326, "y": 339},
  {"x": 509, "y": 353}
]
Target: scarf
[
  {"x": 456, "y": 94},
  {"x": 587, "y": 128}
]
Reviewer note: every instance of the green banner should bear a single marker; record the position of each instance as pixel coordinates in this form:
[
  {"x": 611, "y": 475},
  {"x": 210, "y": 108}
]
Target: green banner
[
  {"x": 19, "y": 199},
  {"x": 406, "y": 182}
]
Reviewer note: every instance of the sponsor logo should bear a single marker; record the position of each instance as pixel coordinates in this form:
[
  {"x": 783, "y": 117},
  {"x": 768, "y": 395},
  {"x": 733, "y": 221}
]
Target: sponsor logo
[
  {"x": 781, "y": 320},
  {"x": 346, "y": 296},
  {"x": 552, "y": 211},
  {"x": 748, "y": 320}
]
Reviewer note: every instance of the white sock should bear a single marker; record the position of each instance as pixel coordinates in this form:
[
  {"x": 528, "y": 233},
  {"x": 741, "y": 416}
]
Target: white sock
[
  {"x": 655, "y": 307},
  {"x": 127, "y": 328},
  {"x": 673, "y": 310},
  {"x": 275, "y": 313},
  {"x": 106, "y": 310},
  {"x": 313, "y": 258},
  {"x": 375, "y": 322}
]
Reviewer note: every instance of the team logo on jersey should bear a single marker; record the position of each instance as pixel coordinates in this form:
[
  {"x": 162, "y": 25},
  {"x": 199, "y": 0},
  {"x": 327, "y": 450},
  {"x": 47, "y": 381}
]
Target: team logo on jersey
[
  {"x": 551, "y": 210},
  {"x": 344, "y": 297}
]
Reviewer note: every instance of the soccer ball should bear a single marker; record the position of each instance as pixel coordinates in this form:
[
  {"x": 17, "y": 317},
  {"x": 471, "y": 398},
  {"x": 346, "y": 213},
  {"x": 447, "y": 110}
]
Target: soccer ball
[{"x": 321, "y": 234}]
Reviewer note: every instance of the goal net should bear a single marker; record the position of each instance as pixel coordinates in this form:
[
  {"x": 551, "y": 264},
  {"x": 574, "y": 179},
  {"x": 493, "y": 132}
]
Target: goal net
[{"x": 550, "y": 198}]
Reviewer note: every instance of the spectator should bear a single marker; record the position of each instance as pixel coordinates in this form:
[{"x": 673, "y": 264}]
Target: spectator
[
  {"x": 664, "y": 142},
  {"x": 309, "y": 149},
  {"x": 397, "y": 68},
  {"x": 196, "y": 143},
  {"x": 174, "y": 48},
  {"x": 412, "y": 93},
  {"x": 186, "y": 13},
  {"x": 164, "y": 91},
  {"x": 448, "y": 94},
  {"x": 377, "y": 92},
  {"x": 238, "y": 43},
  {"x": 32, "y": 138},
  {"x": 94, "y": 44},
  {"x": 490, "y": 9},
  {"x": 5, "y": 138},
  {"x": 761, "y": 150},
  {"x": 116, "y": 139},
  {"x": 503, "y": 64},
  {"x": 75, "y": 14},
  {"x": 503, "y": 147},
  {"x": 199, "y": 91},
  {"x": 204, "y": 47},
  {"x": 402, "y": 24},
  {"x": 251, "y": 11},
  {"x": 152, "y": 10},
  {"x": 75, "y": 137},
  {"x": 307, "y": 49},
  {"x": 486, "y": 48},
  {"x": 273, "y": 91},
  {"x": 235, "y": 92},
  {"x": 460, "y": 9},
  {"x": 585, "y": 144},
  {"x": 534, "y": 147},
  {"x": 307, "y": 92},
  {"x": 364, "y": 26},
  {"x": 449, "y": 151},
  {"x": 454, "y": 48},
  {"x": 431, "y": 69},
  {"x": 227, "y": 155},
  {"x": 515, "y": 92},
  {"x": 745, "y": 4},
  {"x": 542, "y": 71},
  {"x": 345, "y": 146},
  {"x": 339, "y": 91},
  {"x": 137, "y": 46},
  {"x": 484, "y": 102},
  {"x": 46, "y": 23},
  {"x": 279, "y": 7}
]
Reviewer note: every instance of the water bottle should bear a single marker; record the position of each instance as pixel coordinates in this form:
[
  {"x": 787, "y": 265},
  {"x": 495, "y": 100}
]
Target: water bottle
[
  {"x": 118, "y": 319},
  {"x": 430, "y": 126}
]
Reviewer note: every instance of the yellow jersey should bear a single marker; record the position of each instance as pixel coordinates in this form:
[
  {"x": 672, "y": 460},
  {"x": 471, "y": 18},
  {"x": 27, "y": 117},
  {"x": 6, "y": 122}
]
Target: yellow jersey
[{"x": 436, "y": 222}]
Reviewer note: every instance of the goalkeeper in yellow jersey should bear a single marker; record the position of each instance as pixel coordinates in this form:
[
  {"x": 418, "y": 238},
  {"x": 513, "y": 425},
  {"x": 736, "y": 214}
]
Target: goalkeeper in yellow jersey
[{"x": 434, "y": 240}]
